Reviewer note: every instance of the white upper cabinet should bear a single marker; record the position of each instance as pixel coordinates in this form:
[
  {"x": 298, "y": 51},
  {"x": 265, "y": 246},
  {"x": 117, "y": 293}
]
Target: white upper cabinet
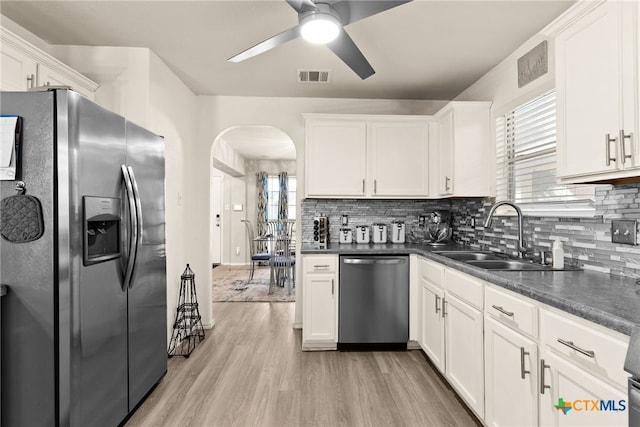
[
  {"x": 463, "y": 163},
  {"x": 596, "y": 52},
  {"x": 399, "y": 157},
  {"x": 336, "y": 162},
  {"x": 23, "y": 67},
  {"x": 367, "y": 156}
]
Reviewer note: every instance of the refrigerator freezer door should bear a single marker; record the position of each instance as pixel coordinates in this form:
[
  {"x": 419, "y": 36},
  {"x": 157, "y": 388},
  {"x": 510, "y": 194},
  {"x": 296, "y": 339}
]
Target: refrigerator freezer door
[
  {"x": 96, "y": 320},
  {"x": 147, "y": 291},
  {"x": 28, "y": 309}
]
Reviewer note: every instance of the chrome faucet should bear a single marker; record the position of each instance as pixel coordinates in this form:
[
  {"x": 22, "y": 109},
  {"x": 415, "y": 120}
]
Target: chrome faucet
[{"x": 521, "y": 248}]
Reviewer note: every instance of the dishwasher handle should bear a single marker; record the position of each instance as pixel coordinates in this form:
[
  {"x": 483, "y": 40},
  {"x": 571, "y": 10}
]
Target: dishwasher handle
[{"x": 387, "y": 261}]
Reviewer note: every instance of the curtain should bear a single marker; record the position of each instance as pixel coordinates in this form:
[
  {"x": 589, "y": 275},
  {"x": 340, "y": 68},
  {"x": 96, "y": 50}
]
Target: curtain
[
  {"x": 263, "y": 199},
  {"x": 283, "y": 203}
]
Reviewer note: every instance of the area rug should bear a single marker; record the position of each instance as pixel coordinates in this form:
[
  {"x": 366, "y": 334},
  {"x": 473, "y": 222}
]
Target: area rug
[{"x": 231, "y": 284}]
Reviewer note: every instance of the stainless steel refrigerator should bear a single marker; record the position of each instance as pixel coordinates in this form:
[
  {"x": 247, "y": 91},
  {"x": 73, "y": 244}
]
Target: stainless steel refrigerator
[{"x": 84, "y": 323}]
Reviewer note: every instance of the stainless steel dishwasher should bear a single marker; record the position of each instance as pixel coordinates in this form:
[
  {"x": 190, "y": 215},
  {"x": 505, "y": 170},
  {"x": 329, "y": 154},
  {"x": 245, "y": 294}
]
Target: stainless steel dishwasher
[{"x": 374, "y": 302}]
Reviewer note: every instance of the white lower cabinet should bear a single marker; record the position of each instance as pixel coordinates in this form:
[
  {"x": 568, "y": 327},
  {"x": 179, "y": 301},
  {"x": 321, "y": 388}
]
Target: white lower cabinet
[
  {"x": 564, "y": 383},
  {"x": 463, "y": 351},
  {"x": 510, "y": 376},
  {"x": 451, "y": 330},
  {"x": 517, "y": 362},
  {"x": 432, "y": 336},
  {"x": 320, "y": 302}
]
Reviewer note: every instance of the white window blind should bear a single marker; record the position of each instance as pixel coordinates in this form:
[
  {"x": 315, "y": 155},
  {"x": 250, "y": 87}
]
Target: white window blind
[{"x": 526, "y": 156}]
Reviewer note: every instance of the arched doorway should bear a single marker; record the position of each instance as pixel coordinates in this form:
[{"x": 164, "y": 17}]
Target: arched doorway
[{"x": 237, "y": 154}]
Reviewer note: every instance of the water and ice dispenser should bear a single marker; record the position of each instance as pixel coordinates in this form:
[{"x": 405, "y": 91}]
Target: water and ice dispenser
[{"x": 101, "y": 223}]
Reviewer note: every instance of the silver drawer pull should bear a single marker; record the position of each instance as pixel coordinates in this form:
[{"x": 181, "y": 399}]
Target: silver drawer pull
[
  {"x": 523, "y": 371},
  {"x": 503, "y": 311},
  {"x": 543, "y": 386},
  {"x": 570, "y": 344},
  {"x": 320, "y": 266}
]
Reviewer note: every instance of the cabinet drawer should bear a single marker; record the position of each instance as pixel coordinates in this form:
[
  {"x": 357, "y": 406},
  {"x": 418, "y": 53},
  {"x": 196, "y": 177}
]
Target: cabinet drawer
[
  {"x": 595, "y": 349},
  {"x": 512, "y": 310},
  {"x": 465, "y": 287},
  {"x": 320, "y": 264},
  {"x": 431, "y": 271}
]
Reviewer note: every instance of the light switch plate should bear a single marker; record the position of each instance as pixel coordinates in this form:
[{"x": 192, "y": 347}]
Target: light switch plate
[{"x": 624, "y": 231}]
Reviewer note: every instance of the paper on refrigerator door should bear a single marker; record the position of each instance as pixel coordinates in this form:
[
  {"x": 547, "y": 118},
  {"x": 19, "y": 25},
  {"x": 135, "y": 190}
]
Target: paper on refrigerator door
[{"x": 8, "y": 147}]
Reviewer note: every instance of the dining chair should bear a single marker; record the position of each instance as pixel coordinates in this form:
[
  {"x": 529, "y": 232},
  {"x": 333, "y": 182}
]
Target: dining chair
[
  {"x": 282, "y": 263},
  {"x": 254, "y": 248}
]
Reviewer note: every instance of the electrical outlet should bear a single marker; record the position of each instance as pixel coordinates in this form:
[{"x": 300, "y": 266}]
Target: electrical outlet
[{"x": 624, "y": 231}]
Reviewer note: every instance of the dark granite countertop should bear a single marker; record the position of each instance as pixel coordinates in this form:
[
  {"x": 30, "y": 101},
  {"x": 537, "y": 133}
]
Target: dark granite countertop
[
  {"x": 3, "y": 290},
  {"x": 611, "y": 301}
]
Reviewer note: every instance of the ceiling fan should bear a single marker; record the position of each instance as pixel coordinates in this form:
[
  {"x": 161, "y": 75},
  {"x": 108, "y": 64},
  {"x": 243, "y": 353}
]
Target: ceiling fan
[{"x": 323, "y": 22}]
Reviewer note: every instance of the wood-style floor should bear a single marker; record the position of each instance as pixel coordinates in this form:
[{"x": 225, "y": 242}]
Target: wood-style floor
[{"x": 250, "y": 371}]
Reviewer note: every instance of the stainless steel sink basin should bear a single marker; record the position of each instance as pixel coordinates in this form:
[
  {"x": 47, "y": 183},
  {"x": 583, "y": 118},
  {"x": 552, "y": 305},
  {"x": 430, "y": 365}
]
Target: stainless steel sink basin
[
  {"x": 470, "y": 255},
  {"x": 507, "y": 264}
]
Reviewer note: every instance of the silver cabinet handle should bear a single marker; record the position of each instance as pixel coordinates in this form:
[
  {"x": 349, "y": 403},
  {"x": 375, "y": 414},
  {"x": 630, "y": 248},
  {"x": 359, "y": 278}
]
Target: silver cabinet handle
[
  {"x": 363, "y": 188},
  {"x": 570, "y": 344},
  {"x": 543, "y": 386},
  {"x": 446, "y": 183},
  {"x": 523, "y": 353},
  {"x": 375, "y": 186},
  {"x": 623, "y": 136},
  {"x": 31, "y": 81},
  {"x": 323, "y": 266},
  {"x": 332, "y": 286},
  {"x": 503, "y": 311},
  {"x": 437, "y": 302},
  {"x": 444, "y": 306},
  {"x": 607, "y": 143}
]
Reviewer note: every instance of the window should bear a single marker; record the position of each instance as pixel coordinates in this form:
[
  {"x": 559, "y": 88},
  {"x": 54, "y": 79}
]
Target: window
[
  {"x": 273, "y": 189},
  {"x": 526, "y": 159}
]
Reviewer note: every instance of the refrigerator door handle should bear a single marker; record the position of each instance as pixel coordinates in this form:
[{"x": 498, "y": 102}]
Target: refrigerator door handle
[
  {"x": 133, "y": 226},
  {"x": 136, "y": 196}
]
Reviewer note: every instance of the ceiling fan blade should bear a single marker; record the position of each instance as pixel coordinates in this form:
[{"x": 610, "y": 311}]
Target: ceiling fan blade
[
  {"x": 345, "y": 48},
  {"x": 302, "y": 6},
  {"x": 268, "y": 44},
  {"x": 351, "y": 11}
]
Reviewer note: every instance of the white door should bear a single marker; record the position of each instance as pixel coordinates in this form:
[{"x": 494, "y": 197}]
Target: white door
[
  {"x": 336, "y": 158},
  {"x": 464, "y": 351},
  {"x": 399, "y": 158},
  {"x": 592, "y": 401},
  {"x": 216, "y": 219},
  {"x": 432, "y": 336},
  {"x": 510, "y": 377},
  {"x": 17, "y": 70}
]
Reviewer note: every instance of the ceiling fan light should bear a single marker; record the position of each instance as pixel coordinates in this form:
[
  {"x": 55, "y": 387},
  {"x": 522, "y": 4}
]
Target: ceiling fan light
[{"x": 320, "y": 28}]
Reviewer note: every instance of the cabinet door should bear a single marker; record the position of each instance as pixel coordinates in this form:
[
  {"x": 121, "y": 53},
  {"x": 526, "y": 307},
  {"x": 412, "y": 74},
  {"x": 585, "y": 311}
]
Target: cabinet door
[
  {"x": 464, "y": 351},
  {"x": 399, "y": 159},
  {"x": 17, "y": 70},
  {"x": 432, "y": 323},
  {"x": 592, "y": 401},
  {"x": 510, "y": 377},
  {"x": 336, "y": 159},
  {"x": 320, "y": 308},
  {"x": 445, "y": 154},
  {"x": 589, "y": 58}
]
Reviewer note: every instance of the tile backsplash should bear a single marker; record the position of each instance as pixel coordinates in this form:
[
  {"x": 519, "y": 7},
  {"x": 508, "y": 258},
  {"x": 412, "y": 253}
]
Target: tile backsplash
[{"x": 587, "y": 241}]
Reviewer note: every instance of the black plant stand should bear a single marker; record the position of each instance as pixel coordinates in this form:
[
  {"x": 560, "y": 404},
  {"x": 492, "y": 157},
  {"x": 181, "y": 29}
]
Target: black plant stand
[{"x": 188, "y": 325}]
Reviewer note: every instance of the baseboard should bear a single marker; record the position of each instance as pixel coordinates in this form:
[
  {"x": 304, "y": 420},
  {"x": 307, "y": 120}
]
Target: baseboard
[
  {"x": 413, "y": 345},
  {"x": 209, "y": 325},
  {"x": 297, "y": 325}
]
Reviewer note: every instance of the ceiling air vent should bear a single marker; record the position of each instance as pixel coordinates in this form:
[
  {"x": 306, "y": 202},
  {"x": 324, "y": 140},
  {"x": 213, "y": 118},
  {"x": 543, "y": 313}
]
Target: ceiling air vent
[{"x": 314, "y": 76}]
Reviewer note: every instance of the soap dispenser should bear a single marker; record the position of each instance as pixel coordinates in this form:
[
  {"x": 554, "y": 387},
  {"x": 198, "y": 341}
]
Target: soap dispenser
[{"x": 557, "y": 253}]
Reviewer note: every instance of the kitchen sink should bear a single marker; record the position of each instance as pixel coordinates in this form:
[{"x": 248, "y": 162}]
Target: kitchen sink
[
  {"x": 507, "y": 264},
  {"x": 470, "y": 255}
]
